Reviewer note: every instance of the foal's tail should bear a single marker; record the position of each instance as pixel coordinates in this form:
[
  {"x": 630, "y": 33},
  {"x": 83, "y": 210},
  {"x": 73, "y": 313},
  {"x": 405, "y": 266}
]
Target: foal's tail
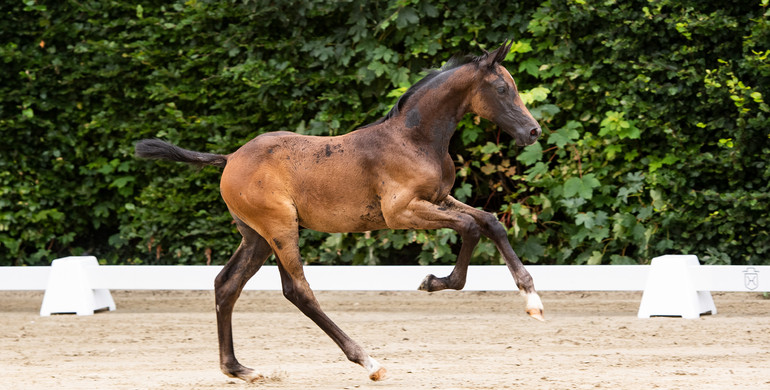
[{"x": 157, "y": 149}]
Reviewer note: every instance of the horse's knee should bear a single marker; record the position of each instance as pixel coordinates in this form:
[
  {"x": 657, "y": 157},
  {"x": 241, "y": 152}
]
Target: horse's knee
[{"x": 470, "y": 230}]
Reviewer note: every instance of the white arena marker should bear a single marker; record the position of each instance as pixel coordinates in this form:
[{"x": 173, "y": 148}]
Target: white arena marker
[
  {"x": 69, "y": 288},
  {"x": 672, "y": 289}
]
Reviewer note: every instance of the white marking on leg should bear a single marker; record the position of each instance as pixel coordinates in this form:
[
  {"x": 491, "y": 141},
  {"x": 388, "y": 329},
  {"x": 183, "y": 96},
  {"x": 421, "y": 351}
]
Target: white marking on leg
[
  {"x": 534, "y": 305},
  {"x": 533, "y": 301},
  {"x": 371, "y": 365},
  {"x": 375, "y": 370}
]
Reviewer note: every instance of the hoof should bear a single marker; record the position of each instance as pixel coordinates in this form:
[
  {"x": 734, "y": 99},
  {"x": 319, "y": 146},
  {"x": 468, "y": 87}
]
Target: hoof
[
  {"x": 254, "y": 377},
  {"x": 378, "y": 375},
  {"x": 426, "y": 283},
  {"x": 244, "y": 373},
  {"x": 536, "y": 314}
]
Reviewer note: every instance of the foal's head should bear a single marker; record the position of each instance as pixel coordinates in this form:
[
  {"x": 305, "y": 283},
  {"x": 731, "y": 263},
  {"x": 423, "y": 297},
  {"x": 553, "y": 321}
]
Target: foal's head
[{"x": 496, "y": 98}]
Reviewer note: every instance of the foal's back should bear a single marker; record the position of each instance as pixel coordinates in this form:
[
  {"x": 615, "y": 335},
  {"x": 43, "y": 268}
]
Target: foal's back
[{"x": 327, "y": 184}]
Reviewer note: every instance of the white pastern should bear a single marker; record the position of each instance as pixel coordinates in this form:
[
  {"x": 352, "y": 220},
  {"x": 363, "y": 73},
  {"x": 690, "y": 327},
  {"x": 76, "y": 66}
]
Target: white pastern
[
  {"x": 533, "y": 301},
  {"x": 371, "y": 365},
  {"x": 376, "y": 371}
]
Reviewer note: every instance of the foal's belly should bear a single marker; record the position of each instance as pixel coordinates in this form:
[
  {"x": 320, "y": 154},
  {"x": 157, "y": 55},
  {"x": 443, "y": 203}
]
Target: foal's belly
[
  {"x": 342, "y": 219},
  {"x": 342, "y": 203}
]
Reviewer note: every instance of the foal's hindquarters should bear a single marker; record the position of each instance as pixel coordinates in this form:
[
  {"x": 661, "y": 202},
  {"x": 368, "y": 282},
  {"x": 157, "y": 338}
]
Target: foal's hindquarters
[{"x": 256, "y": 189}]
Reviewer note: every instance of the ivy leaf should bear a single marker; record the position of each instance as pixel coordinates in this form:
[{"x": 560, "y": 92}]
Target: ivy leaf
[
  {"x": 581, "y": 186},
  {"x": 585, "y": 219},
  {"x": 537, "y": 94},
  {"x": 599, "y": 233},
  {"x": 430, "y": 10},
  {"x": 469, "y": 134},
  {"x": 400, "y": 76},
  {"x": 538, "y": 169},
  {"x": 407, "y": 16},
  {"x": 490, "y": 148},
  {"x": 623, "y": 193},
  {"x": 572, "y": 186},
  {"x": 614, "y": 123},
  {"x": 656, "y": 163},
  {"x": 544, "y": 112},
  {"x": 489, "y": 169},
  {"x": 463, "y": 192},
  {"x": 595, "y": 258},
  {"x": 378, "y": 67},
  {"x": 531, "y": 154},
  {"x": 622, "y": 260},
  {"x": 122, "y": 181},
  {"x": 565, "y": 135},
  {"x": 522, "y": 47},
  {"x": 612, "y": 150},
  {"x": 531, "y": 66},
  {"x": 558, "y": 139},
  {"x": 531, "y": 250}
]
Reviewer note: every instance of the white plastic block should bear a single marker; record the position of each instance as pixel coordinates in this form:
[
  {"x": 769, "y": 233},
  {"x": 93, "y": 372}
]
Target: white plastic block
[
  {"x": 69, "y": 288},
  {"x": 671, "y": 289}
]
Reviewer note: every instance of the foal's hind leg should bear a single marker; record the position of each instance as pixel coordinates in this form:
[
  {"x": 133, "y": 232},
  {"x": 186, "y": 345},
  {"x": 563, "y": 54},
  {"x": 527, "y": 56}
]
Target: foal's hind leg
[
  {"x": 244, "y": 263},
  {"x": 297, "y": 290}
]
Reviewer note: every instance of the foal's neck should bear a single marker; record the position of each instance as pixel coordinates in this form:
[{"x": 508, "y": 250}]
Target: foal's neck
[{"x": 431, "y": 117}]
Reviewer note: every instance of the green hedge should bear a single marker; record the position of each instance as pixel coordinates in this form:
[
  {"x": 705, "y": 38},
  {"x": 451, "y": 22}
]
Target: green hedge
[{"x": 656, "y": 130}]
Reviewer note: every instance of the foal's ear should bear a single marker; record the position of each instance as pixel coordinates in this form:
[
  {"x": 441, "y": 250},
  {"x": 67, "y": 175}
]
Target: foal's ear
[{"x": 497, "y": 56}]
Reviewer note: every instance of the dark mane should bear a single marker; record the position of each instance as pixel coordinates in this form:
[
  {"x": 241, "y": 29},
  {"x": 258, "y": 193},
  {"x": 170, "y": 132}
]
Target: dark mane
[{"x": 453, "y": 63}]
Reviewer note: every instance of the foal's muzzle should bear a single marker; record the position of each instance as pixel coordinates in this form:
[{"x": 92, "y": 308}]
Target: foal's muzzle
[
  {"x": 530, "y": 137},
  {"x": 526, "y": 134}
]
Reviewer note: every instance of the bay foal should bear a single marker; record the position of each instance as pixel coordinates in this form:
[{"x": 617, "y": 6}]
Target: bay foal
[{"x": 395, "y": 173}]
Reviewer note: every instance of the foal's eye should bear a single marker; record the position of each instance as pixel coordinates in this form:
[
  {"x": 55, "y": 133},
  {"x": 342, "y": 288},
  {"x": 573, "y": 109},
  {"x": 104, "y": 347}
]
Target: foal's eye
[{"x": 501, "y": 90}]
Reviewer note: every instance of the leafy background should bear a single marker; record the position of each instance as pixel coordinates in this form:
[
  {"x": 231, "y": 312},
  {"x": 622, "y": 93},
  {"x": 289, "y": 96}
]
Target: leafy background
[{"x": 656, "y": 130}]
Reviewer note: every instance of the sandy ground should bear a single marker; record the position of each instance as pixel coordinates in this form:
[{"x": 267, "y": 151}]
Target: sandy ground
[{"x": 444, "y": 340}]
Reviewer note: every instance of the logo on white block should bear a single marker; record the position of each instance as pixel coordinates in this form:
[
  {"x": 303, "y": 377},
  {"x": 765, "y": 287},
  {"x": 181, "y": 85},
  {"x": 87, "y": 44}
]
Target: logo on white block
[{"x": 751, "y": 278}]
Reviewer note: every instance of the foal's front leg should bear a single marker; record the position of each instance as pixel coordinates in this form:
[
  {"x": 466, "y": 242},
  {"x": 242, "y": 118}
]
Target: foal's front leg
[
  {"x": 492, "y": 228},
  {"x": 421, "y": 214},
  {"x": 469, "y": 221},
  {"x": 469, "y": 235}
]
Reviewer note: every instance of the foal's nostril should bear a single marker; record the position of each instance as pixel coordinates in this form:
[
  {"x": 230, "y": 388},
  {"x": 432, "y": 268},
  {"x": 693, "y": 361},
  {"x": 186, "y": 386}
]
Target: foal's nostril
[{"x": 534, "y": 132}]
